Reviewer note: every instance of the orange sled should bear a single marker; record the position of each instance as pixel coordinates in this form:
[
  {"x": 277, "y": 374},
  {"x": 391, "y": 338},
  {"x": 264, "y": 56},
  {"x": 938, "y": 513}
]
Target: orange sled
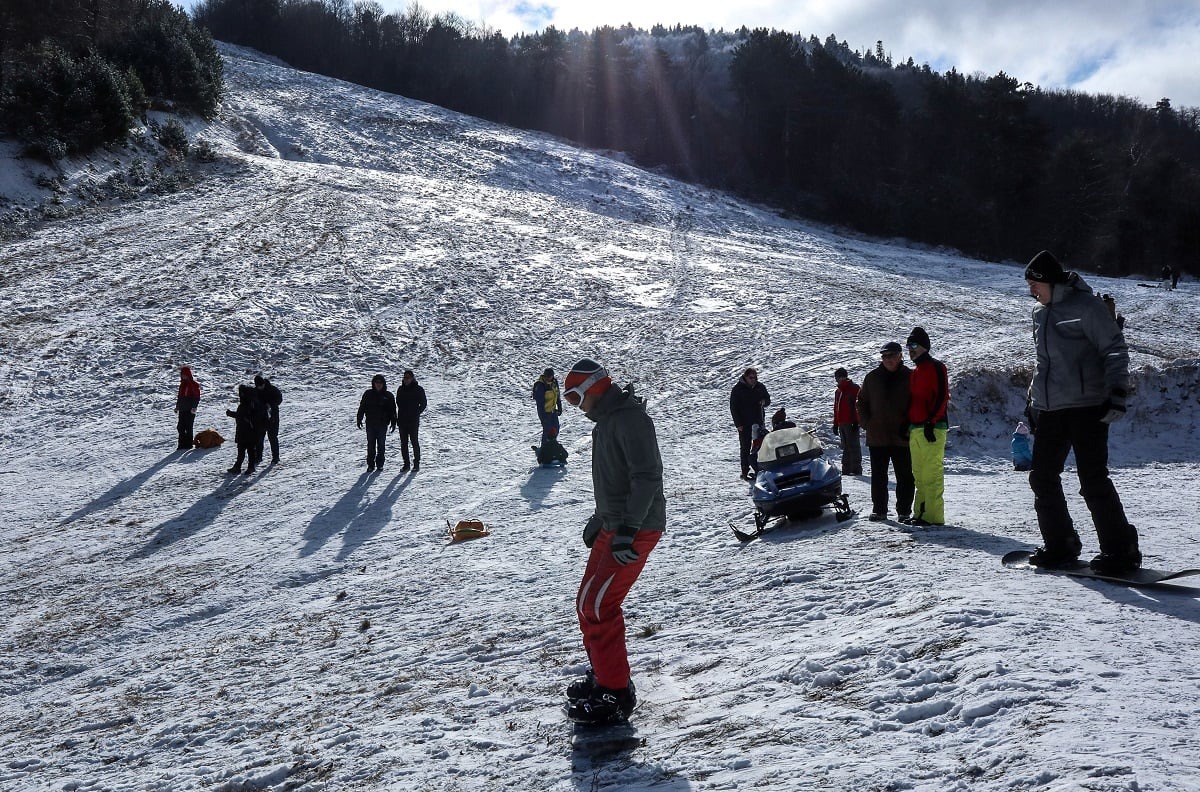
[{"x": 466, "y": 529}]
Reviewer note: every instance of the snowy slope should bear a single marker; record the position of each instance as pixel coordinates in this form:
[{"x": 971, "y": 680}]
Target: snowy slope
[{"x": 309, "y": 628}]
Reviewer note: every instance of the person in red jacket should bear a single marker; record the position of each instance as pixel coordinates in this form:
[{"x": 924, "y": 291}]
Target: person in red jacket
[
  {"x": 845, "y": 422},
  {"x": 929, "y": 392},
  {"x": 186, "y": 403}
]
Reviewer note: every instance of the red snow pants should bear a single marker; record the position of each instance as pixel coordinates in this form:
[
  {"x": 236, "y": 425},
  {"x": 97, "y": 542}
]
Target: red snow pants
[{"x": 598, "y": 605}]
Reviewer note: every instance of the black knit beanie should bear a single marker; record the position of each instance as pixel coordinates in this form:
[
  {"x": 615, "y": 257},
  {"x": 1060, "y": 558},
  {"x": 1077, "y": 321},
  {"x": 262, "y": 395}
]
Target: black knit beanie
[{"x": 1044, "y": 267}]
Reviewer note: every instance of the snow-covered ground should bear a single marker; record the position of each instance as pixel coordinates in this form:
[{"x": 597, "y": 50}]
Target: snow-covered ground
[{"x": 309, "y": 627}]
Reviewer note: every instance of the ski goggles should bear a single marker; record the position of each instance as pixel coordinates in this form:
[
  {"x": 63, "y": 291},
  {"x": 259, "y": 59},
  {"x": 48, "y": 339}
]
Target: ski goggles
[{"x": 575, "y": 395}]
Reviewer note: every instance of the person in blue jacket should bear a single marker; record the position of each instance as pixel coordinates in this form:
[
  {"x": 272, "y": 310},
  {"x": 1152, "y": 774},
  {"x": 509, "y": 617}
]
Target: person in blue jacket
[{"x": 1022, "y": 452}]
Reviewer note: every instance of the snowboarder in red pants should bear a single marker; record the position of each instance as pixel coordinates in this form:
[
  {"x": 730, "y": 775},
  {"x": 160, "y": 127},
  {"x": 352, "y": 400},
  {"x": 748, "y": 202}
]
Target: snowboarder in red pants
[{"x": 630, "y": 516}]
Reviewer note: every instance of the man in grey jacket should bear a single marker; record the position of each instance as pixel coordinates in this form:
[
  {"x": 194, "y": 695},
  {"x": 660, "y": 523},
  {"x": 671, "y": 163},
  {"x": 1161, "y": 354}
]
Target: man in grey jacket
[
  {"x": 631, "y": 513},
  {"x": 1079, "y": 387}
]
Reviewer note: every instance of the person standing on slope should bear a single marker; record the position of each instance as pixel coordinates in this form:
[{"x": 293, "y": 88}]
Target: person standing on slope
[
  {"x": 187, "y": 401},
  {"x": 378, "y": 407},
  {"x": 546, "y": 397},
  {"x": 845, "y": 422},
  {"x": 883, "y": 409},
  {"x": 630, "y": 516},
  {"x": 1080, "y": 383},
  {"x": 410, "y": 403},
  {"x": 747, "y": 404},
  {"x": 249, "y": 424},
  {"x": 929, "y": 395},
  {"x": 272, "y": 397}
]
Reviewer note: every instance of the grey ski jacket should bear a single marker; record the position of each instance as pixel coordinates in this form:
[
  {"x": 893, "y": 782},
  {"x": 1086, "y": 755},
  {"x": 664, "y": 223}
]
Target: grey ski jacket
[
  {"x": 626, "y": 465},
  {"x": 1081, "y": 353}
]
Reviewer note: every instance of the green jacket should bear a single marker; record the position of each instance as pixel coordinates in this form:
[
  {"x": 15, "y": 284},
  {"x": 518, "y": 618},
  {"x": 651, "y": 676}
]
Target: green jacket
[{"x": 626, "y": 465}]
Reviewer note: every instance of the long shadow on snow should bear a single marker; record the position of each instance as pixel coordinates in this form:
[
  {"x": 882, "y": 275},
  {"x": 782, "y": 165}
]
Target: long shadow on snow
[
  {"x": 539, "y": 484},
  {"x": 197, "y": 517},
  {"x": 360, "y": 521},
  {"x": 1180, "y": 602},
  {"x": 963, "y": 538},
  {"x": 120, "y": 490},
  {"x": 372, "y": 519}
]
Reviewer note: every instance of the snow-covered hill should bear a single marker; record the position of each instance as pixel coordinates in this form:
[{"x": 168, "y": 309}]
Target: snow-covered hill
[{"x": 309, "y": 628}]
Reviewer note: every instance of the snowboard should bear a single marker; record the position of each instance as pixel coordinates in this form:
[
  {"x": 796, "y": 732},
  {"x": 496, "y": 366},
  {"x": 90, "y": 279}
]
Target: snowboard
[
  {"x": 1143, "y": 576},
  {"x": 592, "y": 743}
]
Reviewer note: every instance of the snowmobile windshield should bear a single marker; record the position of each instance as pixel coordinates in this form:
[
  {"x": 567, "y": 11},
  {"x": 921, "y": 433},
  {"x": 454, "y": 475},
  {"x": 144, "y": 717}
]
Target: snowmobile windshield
[{"x": 788, "y": 445}]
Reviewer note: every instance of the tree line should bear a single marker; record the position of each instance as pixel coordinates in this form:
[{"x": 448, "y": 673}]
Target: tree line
[{"x": 77, "y": 74}]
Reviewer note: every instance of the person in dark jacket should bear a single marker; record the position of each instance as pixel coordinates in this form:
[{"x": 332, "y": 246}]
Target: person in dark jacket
[
  {"x": 883, "y": 410},
  {"x": 845, "y": 422},
  {"x": 630, "y": 517},
  {"x": 250, "y": 423},
  {"x": 410, "y": 403},
  {"x": 271, "y": 397},
  {"x": 187, "y": 401},
  {"x": 378, "y": 407},
  {"x": 1080, "y": 384},
  {"x": 929, "y": 396},
  {"x": 747, "y": 404}
]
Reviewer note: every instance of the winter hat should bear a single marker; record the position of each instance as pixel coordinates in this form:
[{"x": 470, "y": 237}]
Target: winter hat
[
  {"x": 890, "y": 347},
  {"x": 1045, "y": 268},
  {"x": 548, "y": 373},
  {"x": 586, "y": 376},
  {"x": 1022, "y": 429},
  {"x": 258, "y": 380},
  {"x": 779, "y": 417},
  {"x": 840, "y": 373},
  {"x": 919, "y": 337},
  {"x": 378, "y": 378}
]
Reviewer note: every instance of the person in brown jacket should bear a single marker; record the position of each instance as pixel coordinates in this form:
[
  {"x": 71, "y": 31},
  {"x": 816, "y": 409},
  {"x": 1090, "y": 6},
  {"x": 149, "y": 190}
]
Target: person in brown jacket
[{"x": 883, "y": 413}]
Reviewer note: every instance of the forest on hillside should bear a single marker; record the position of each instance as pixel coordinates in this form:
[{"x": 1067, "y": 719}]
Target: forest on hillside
[
  {"x": 79, "y": 74},
  {"x": 993, "y": 167}
]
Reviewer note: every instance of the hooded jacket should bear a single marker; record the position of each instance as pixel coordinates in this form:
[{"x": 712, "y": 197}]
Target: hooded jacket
[
  {"x": 626, "y": 465},
  {"x": 883, "y": 406},
  {"x": 189, "y": 391},
  {"x": 1081, "y": 353},
  {"x": 378, "y": 407}
]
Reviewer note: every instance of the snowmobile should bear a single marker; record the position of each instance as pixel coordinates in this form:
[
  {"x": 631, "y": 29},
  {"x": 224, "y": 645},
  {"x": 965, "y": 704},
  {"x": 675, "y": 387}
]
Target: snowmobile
[{"x": 795, "y": 480}]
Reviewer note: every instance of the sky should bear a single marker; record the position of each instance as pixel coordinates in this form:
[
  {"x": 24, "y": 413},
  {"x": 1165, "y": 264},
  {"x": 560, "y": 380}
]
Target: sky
[{"x": 1140, "y": 48}]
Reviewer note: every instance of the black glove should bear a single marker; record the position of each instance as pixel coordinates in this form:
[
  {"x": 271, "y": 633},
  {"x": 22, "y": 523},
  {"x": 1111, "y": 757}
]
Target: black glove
[
  {"x": 393, "y": 429},
  {"x": 1114, "y": 408},
  {"x": 622, "y": 546},
  {"x": 1032, "y": 415},
  {"x": 592, "y": 529},
  {"x": 360, "y": 424},
  {"x": 929, "y": 435}
]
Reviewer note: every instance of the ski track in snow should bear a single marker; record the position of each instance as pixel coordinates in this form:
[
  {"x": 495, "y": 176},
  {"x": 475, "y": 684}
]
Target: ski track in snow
[{"x": 308, "y": 627}]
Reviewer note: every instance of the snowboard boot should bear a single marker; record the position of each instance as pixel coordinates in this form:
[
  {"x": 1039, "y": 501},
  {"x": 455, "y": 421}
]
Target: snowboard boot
[
  {"x": 581, "y": 688},
  {"x": 1053, "y": 559},
  {"x": 904, "y": 519},
  {"x": 416, "y": 466},
  {"x": 235, "y": 469},
  {"x": 877, "y": 516},
  {"x": 405, "y": 468},
  {"x": 1116, "y": 563},
  {"x": 604, "y": 706}
]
